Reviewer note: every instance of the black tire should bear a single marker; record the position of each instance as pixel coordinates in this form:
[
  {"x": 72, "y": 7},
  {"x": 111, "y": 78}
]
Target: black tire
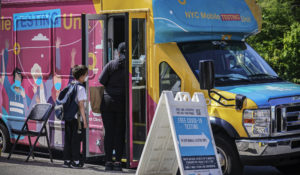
[
  {"x": 289, "y": 169},
  {"x": 228, "y": 155},
  {"x": 4, "y": 138}
]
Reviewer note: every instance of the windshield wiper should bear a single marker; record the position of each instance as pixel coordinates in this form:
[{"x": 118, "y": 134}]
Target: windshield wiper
[
  {"x": 228, "y": 77},
  {"x": 264, "y": 75}
]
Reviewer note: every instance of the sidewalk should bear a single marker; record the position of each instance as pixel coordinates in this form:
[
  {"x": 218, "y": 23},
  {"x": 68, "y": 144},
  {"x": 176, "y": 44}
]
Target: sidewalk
[{"x": 42, "y": 166}]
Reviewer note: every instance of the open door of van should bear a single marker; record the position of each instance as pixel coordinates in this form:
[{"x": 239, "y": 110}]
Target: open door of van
[
  {"x": 101, "y": 36},
  {"x": 137, "y": 86},
  {"x": 94, "y": 55}
]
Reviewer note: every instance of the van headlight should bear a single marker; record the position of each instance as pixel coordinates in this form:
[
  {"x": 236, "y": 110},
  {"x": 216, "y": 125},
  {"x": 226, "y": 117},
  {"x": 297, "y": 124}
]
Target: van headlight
[{"x": 257, "y": 122}]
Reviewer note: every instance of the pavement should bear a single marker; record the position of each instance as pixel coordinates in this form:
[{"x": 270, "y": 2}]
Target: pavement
[{"x": 43, "y": 166}]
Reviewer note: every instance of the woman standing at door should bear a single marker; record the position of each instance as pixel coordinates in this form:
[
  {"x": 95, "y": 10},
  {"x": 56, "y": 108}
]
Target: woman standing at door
[{"x": 113, "y": 108}]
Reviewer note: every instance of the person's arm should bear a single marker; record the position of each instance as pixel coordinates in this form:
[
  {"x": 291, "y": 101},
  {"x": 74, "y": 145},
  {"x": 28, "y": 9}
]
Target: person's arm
[
  {"x": 82, "y": 98},
  {"x": 4, "y": 63},
  {"x": 48, "y": 87},
  {"x": 5, "y": 80},
  {"x": 26, "y": 101},
  {"x": 82, "y": 113},
  {"x": 73, "y": 54},
  {"x": 104, "y": 76},
  {"x": 5, "y": 53},
  {"x": 7, "y": 87},
  {"x": 34, "y": 98},
  {"x": 57, "y": 53}
]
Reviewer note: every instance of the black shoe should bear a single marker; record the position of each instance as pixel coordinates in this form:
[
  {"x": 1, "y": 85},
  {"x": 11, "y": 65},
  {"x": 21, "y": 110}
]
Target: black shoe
[
  {"x": 67, "y": 164},
  {"x": 81, "y": 164},
  {"x": 117, "y": 166},
  {"x": 75, "y": 165},
  {"x": 108, "y": 166}
]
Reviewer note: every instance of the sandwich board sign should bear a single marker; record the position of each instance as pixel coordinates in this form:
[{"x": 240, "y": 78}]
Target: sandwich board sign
[{"x": 180, "y": 136}]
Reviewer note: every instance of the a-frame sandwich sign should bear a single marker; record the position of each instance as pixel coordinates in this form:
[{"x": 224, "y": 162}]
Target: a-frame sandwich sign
[{"x": 180, "y": 136}]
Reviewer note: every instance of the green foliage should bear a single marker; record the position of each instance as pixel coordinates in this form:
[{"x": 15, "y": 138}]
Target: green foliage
[{"x": 279, "y": 40}]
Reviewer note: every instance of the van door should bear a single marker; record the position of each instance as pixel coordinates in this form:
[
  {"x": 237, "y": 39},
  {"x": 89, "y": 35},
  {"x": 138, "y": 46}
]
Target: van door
[
  {"x": 137, "y": 124},
  {"x": 94, "y": 55},
  {"x": 110, "y": 33}
]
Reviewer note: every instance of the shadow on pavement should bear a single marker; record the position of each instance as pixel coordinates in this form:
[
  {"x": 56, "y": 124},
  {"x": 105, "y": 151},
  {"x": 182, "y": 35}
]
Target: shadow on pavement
[{"x": 43, "y": 164}]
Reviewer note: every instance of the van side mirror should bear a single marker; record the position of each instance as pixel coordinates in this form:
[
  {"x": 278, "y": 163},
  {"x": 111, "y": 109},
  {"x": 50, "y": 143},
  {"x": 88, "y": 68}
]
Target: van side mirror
[
  {"x": 207, "y": 82},
  {"x": 206, "y": 74}
]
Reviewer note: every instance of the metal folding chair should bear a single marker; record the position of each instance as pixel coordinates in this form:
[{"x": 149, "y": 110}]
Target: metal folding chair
[{"x": 39, "y": 113}]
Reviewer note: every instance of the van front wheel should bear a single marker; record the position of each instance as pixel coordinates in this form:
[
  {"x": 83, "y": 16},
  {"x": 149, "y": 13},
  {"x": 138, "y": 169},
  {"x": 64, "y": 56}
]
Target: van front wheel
[{"x": 228, "y": 156}]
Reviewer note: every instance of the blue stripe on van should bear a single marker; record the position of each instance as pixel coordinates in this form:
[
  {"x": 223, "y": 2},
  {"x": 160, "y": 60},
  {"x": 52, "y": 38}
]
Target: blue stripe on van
[{"x": 37, "y": 20}]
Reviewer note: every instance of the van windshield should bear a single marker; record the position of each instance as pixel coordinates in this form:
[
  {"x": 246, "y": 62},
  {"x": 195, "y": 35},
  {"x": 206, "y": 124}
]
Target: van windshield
[{"x": 235, "y": 62}]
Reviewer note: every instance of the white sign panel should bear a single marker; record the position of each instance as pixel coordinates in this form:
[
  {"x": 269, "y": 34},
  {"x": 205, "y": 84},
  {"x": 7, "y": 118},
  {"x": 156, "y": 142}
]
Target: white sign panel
[{"x": 180, "y": 136}]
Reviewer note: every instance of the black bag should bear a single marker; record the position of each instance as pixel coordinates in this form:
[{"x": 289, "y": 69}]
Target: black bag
[{"x": 66, "y": 106}]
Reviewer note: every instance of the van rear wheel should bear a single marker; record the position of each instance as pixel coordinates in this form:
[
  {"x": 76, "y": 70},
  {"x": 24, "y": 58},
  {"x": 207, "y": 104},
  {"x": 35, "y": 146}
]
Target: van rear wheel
[
  {"x": 228, "y": 156},
  {"x": 4, "y": 138}
]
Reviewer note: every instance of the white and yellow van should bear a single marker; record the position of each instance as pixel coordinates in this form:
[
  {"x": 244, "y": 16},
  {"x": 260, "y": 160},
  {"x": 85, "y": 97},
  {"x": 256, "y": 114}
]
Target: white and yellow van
[{"x": 254, "y": 114}]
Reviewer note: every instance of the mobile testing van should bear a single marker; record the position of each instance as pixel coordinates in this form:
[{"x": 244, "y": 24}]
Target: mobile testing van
[{"x": 253, "y": 113}]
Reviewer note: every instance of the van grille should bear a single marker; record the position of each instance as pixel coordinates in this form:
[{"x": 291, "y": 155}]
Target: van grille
[{"x": 287, "y": 119}]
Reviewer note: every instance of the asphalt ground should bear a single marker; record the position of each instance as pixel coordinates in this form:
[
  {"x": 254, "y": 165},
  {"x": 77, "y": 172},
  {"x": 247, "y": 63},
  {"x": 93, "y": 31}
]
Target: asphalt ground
[{"x": 41, "y": 165}]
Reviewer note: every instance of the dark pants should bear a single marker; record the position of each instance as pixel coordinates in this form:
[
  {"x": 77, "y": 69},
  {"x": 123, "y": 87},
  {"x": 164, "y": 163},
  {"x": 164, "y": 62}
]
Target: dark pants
[
  {"x": 72, "y": 141},
  {"x": 114, "y": 124}
]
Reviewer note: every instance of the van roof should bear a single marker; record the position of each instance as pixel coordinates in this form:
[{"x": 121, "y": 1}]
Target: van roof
[{"x": 189, "y": 20}]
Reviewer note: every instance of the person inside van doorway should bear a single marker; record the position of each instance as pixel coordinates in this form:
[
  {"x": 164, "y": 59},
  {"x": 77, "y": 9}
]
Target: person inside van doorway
[
  {"x": 73, "y": 133},
  {"x": 113, "y": 109}
]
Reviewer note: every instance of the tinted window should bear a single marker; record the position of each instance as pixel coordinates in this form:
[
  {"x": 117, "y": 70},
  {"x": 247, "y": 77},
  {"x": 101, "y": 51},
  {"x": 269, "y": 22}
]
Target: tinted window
[
  {"x": 168, "y": 79},
  {"x": 234, "y": 62}
]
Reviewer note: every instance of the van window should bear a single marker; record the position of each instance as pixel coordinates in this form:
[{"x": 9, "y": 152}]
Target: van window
[
  {"x": 235, "y": 62},
  {"x": 168, "y": 79}
]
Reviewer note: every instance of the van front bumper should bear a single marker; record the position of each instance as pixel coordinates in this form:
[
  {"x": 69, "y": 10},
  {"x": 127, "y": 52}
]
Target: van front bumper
[{"x": 269, "y": 151}]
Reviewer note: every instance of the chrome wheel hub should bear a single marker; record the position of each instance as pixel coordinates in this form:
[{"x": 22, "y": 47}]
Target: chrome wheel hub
[{"x": 223, "y": 159}]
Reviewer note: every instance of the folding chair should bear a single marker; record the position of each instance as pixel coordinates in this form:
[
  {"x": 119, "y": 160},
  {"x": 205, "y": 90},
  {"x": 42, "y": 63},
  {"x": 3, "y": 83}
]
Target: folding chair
[{"x": 39, "y": 113}]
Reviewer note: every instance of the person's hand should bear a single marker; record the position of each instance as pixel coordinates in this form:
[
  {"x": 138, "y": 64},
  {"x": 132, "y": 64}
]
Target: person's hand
[
  {"x": 37, "y": 99},
  {"x": 84, "y": 124},
  {"x": 73, "y": 54},
  {"x": 34, "y": 89},
  {"x": 58, "y": 42}
]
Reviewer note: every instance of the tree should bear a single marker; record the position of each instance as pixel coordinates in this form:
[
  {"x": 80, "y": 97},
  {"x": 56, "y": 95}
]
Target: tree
[{"x": 278, "y": 42}]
